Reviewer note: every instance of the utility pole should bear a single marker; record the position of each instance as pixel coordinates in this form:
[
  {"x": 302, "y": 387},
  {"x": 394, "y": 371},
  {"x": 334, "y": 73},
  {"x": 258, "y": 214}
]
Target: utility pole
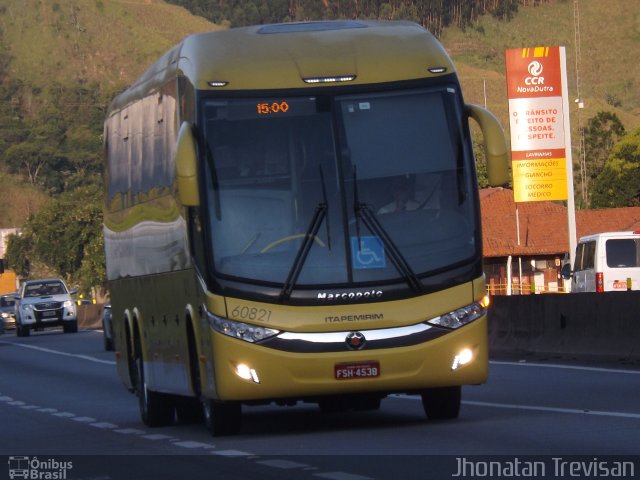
[{"x": 584, "y": 179}]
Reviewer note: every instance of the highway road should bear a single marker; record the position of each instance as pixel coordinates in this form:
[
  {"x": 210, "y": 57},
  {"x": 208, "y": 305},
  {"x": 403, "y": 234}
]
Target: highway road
[{"x": 61, "y": 400}]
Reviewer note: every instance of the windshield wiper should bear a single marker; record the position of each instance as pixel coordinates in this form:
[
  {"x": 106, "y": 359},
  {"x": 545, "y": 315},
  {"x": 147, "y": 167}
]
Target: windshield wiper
[
  {"x": 364, "y": 212},
  {"x": 214, "y": 181},
  {"x": 326, "y": 202},
  {"x": 399, "y": 261},
  {"x": 309, "y": 236}
]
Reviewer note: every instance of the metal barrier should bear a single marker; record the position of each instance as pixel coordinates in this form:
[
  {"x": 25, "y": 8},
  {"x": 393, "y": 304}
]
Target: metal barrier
[
  {"x": 577, "y": 326},
  {"x": 494, "y": 288},
  {"x": 89, "y": 316}
]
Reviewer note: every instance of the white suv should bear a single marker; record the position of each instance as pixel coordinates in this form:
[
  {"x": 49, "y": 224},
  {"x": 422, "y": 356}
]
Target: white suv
[{"x": 43, "y": 304}]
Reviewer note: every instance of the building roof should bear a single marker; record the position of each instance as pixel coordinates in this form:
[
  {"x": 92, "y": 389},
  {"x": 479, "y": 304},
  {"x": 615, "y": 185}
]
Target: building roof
[{"x": 543, "y": 225}]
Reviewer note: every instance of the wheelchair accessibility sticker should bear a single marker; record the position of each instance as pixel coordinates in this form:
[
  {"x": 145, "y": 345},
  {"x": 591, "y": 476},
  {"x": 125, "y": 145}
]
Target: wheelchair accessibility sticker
[{"x": 367, "y": 252}]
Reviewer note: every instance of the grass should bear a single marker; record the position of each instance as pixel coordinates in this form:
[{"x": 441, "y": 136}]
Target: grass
[
  {"x": 608, "y": 72},
  {"x": 114, "y": 41}
]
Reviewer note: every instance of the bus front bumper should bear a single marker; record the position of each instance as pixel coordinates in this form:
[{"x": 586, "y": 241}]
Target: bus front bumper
[{"x": 252, "y": 372}]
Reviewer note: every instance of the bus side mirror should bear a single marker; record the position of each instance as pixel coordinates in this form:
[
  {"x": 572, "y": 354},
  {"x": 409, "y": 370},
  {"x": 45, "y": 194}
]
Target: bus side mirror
[
  {"x": 565, "y": 272},
  {"x": 187, "y": 167},
  {"x": 495, "y": 145}
]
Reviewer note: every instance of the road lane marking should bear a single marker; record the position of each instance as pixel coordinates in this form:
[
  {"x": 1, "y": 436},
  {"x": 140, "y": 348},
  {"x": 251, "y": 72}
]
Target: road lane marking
[
  {"x": 576, "y": 411},
  {"x": 84, "y": 419},
  {"x": 232, "y": 453},
  {"x": 131, "y": 431},
  {"x": 193, "y": 444},
  {"x": 283, "y": 464},
  {"x": 158, "y": 436},
  {"x": 64, "y": 354},
  {"x": 273, "y": 463},
  {"x": 341, "y": 476},
  {"x": 566, "y": 367},
  {"x": 104, "y": 425},
  {"x": 511, "y": 406},
  {"x": 64, "y": 415}
]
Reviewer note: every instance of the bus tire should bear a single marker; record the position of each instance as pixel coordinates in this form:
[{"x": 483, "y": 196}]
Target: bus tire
[
  {"x": 156, "y": 409},
  {"x": 108, "y": 345},
  {"x": 70, "y": 327},
  {"x": 364, "y": 403},
  {"x": 23, "y": 331},
  {"x": 189, "y": 411},
  {"x": 222, "y": 418},
  {"x": 442, "y": 403}
]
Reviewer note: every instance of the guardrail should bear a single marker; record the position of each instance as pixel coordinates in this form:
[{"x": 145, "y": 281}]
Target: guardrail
[
  {"x": 602, "y": 326},
  {"x": 495, "y": 288},
  {"x": 89, "y": 316}
]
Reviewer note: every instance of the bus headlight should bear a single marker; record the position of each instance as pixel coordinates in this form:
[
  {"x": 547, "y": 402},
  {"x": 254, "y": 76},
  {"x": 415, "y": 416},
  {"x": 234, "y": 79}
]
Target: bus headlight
[
  {"x": 463, "y": 315},
  {"x": 247, "y": 373},
  {"x": 240, "y": 330},
  {"x": 462, "y": 358}
]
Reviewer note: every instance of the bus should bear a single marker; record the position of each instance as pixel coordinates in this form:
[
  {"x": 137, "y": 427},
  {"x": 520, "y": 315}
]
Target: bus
[{"x": 292, "y": 215}]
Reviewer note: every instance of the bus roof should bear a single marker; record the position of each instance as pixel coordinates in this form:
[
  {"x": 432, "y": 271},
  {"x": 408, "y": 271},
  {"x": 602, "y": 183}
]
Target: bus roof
[{"x": 283, "y": 56}]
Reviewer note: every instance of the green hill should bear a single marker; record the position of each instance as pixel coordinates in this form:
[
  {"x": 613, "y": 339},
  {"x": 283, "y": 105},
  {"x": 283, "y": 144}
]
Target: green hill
[
  {"x": 609, "y": 31},
  {"x": 107, "y": 41},
  {"x": 112, "y": 41}
]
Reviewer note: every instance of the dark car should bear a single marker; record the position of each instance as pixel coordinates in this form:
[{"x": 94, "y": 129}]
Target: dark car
[
  {"x": 45, "y": 303},
  {"x": 107, "y": 329},
  {"x": 7, "y": 313}
]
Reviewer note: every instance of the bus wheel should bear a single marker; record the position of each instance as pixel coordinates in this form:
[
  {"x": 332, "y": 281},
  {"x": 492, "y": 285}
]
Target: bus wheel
[
  {"x": 156, "y": 409},
  {"x": 189, "y": 410},
  {"x": 222, "y": 418},
  {"x": 367, "y": 402},
  {"x": 441, "y": 403},
  {"x": 70, "y": 327},
  {"x": 334, "y": 404}
]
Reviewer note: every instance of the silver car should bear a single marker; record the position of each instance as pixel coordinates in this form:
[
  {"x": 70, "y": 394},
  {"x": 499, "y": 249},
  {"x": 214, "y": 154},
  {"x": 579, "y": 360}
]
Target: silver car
[
  {"x": 43, "y": 304},
  {"x": 7, "y": 311}
]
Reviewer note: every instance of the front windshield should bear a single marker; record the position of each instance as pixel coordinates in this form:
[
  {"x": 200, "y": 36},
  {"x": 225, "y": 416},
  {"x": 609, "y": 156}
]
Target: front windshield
[
  {"x": 281, "y": 170},
  {"x": 40, "y": 289}
]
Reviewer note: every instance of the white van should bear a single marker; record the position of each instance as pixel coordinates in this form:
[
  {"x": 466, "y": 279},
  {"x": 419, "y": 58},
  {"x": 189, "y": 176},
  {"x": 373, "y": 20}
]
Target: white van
[{"x": 606, "y": 262}]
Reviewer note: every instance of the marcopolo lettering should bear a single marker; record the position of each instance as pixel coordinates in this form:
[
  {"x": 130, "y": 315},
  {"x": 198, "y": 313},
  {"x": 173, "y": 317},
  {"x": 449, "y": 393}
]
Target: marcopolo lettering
[{"x": 350, "y": 295}]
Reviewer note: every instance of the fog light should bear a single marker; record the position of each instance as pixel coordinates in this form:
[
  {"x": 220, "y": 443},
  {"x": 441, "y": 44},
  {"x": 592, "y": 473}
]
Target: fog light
[
  {"x": 462, "y": 358},
  {"x": 247, "y": 373}
]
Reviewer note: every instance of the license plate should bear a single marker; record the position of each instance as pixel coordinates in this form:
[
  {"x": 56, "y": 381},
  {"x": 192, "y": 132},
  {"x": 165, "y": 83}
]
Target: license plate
[
  {"x": 49, "y": 313},
  {"x": 352, "y": 371}
]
